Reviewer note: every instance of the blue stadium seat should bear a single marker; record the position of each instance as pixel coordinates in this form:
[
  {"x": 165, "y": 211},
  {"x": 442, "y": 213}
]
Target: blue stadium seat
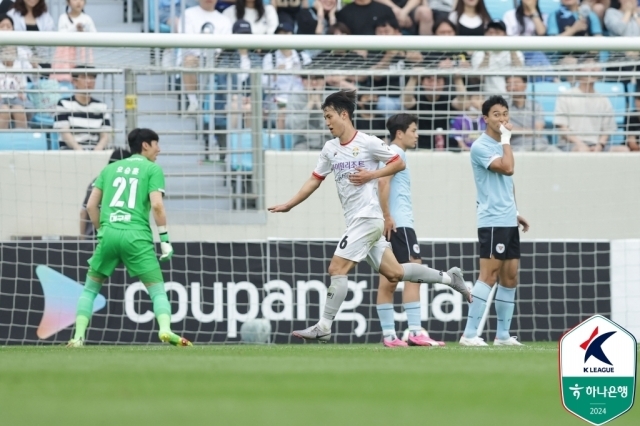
[
  {"x": 242, "y": 141},
  {"x": 546, "y": 93},
  {"x": 153, "y": 9},
  {"x": 633, "y": 92},
  {"x": 616, "y": 94},
  {"x": 549, "y": 6},
  {"x": 19, "y": 141},
  {"x": 618, "y": 138},
  {"x": 497, "y": 8}
]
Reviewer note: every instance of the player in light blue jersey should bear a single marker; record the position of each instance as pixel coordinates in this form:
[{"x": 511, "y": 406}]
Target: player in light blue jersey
[
  {"x": 498, "y": 224},
  {"x": 395, "y": 200}
]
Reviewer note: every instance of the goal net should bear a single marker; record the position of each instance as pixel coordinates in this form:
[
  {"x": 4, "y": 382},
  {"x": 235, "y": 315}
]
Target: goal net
[{"x": 241, "y": 130}]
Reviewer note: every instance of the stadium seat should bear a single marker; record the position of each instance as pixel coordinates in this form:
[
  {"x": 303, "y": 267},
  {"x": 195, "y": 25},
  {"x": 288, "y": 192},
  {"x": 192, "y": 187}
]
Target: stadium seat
[
  {"x": 497, "y": 8},
  {"x": 242, "y": 141},
  {"x": 549, "y": 6},
  {"x": 546, "y": 93},
  {"x": 153, "y": 9},
  {"x": 616, "y": 94},
  {"x": 19, "y": 141},
  {"x": 632, "y": 90},
  {"x": 45, "y": 120},
  {"x": 618, "y": 138}
]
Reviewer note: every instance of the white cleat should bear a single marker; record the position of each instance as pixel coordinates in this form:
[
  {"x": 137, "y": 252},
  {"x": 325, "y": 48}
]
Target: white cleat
[
  {"x": 76, "y": 343},
  {"x": 473, "y": 341},
  {"x": 313, "y": 333},
  {"x": 511, "y": 341}
]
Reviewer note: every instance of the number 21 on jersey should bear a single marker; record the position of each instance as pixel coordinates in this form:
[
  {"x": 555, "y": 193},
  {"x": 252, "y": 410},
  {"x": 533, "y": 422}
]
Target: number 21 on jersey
[{"x": 121, "y": 183}]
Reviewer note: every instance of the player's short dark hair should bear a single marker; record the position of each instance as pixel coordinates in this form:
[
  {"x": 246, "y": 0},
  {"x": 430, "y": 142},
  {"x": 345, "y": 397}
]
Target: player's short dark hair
[
  {"x": 138, "y": 136},
  {"x": 344, "y": 100},
  {"x": 493, "y": 100},
  {"x": 400, "y": 122},
  {"x": 119, "y": 154},
  {"x": 79, "y": 70}
]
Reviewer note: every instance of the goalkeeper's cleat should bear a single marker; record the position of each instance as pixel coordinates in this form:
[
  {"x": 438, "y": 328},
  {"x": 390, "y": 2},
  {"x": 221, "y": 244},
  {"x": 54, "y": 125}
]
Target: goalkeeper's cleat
[
  {"x": 422, "y": 340},
  {"x": 395, "y": 343},
  {"x": 458, "y": 284},
  {"x": 313, "y": 333},
  {"x": 473, "y": 341},
  {"x": 511, "y": 341},
  {"x": 174, "y": 339},
  {"x": 76, "y": 343}
]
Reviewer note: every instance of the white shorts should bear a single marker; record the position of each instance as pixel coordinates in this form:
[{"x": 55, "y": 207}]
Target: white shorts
[{"x": 362, "y": 240}]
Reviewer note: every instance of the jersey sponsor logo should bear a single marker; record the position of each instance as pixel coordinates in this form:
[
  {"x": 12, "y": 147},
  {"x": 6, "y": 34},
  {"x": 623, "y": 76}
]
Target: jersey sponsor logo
[
  {"x": 119, "y": 216},
  {"x": 345, "y": 165},
  {"x": 416, "y": 248},
  {"x": 355, "y": 151},
  {"x": 500, "y": 248}
]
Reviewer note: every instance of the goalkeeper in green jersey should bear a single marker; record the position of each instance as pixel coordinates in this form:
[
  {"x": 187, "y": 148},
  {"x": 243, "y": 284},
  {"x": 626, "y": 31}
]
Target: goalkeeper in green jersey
[{"x": 119, "y": 208}]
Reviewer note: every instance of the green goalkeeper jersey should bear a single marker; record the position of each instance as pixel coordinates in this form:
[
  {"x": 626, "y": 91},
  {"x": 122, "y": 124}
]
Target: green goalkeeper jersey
[{"x": 125, "y": 186}]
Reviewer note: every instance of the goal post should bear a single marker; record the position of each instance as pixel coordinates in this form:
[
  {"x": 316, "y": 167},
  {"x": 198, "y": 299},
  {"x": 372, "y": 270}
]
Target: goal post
[{"x": 239, "y": 151}]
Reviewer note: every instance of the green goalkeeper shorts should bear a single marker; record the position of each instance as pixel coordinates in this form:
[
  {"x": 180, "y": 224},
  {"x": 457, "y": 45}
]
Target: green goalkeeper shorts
[{"x": 134, "y": 248}]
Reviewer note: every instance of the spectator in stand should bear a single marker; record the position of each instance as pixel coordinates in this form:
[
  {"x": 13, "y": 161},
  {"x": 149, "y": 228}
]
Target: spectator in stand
[
  {"x": 471, "y": 17},
  {"x": 164, "y": 11},
  {"x": 201, "y": 19},
  {"x": 362, "y": 16},
  {"x": 305, "y": 113},
  {"x": 262, "y": 18},
  {"x": 527, "y": 118},
  {"x": 288, "y": 10},
  {"x": 391, "y": 84},
  {"x": 340, "y": 59},
  {"x": 632, "y": 126},
  {"x": 496, "y": 61},
  {"x": 433, "y": 103},
  {"x": 445, "y": 59},
  {"x": 32, "y": 15},
  {"x": 87, "y": 117},
  {"x": 282, "y": 85},
  {"x": 66, "y": 57},
  {"x": 574, "y": 19},
  {"x": 319, "y": 19},
  {"x": 24, "y": 53},
  {"x": 441, "y": 9},
  {"x": 13, "y": 100},
  {"x": 526, "y": 20},
  {"x": 470, "y": 123},
  {"x": 413, "y": 16},
  {"x": 366, "y": 119},
  {"x": 625, "y": 21},
  {"x": 587, "y": 116}
]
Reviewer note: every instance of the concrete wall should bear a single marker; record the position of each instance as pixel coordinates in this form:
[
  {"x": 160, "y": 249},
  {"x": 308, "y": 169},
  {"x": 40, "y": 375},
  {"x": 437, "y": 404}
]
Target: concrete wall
[{"x": 564, "y": 196}]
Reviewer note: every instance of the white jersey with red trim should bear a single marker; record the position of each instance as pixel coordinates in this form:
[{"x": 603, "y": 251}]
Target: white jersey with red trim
[{"x": 363, "y": 151}]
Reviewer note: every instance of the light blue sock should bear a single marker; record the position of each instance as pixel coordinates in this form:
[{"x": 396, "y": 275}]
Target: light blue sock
[
  {"x": 413, "y": 315},
  {"x": 385, "y": 313},
  {"x": 480, "y": 294},
  {"x": 505, "y": 298}
]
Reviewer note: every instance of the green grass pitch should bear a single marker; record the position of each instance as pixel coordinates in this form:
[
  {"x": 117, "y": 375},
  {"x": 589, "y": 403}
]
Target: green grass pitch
[{"x": 279, "y": 385}]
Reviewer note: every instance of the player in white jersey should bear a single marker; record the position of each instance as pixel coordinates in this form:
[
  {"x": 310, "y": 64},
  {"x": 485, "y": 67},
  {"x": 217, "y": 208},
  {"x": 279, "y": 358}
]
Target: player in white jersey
[
  {"x": 354, "y": 157},
  {"x": 397, "y": 209},
  {"x": 498, "y": 225}
]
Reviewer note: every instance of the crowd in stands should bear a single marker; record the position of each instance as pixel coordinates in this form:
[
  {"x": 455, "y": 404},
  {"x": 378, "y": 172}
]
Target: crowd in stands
[{"x": 448, "y": 105}]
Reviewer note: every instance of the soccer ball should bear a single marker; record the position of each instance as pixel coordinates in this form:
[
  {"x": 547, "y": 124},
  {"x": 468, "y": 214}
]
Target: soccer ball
[
  {"x": 405, "y": 334},
  {"x": 256, "y": 331}
]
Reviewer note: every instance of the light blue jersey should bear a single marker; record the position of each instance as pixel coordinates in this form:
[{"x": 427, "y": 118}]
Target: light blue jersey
[
  {"x": 496, "y": 205},
  {"x": 400, "y": 194}
]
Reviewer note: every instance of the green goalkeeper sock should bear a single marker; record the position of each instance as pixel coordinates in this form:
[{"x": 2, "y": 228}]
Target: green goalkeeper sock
[
  {"x": 161, "y": 306},
  {"x": 85, "y": 306}
]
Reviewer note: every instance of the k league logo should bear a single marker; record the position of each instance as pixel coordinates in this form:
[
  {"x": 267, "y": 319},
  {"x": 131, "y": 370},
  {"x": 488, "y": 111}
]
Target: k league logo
[{"x": 598, "y": 370}]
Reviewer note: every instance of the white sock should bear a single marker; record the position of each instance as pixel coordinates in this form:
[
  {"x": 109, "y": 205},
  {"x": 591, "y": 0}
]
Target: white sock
[
  {"x": 417, "y": 273},
  {"x": 193, "y": 99},
  {"x": 335, "y": 296}
]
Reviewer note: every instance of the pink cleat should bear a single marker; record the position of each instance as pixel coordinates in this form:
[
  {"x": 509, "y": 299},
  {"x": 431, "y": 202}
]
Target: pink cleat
[
  {"x": 395, "y": 343},
  {"x": 422, "y": 340}
]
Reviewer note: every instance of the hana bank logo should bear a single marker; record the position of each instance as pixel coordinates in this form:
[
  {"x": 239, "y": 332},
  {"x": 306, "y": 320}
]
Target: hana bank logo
[{"x": 61, "y": 296}]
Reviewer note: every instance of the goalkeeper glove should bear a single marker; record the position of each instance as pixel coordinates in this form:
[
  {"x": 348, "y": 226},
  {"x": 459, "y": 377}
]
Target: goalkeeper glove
[
  {"x": 165, "y": 245},
  {"x": 505, "y": 136}
]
